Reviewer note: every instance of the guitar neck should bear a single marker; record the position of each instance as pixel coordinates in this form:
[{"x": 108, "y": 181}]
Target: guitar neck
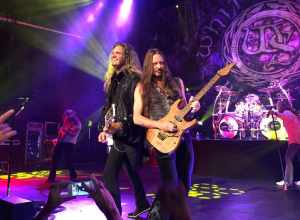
[{"x": 201, "y": 93}]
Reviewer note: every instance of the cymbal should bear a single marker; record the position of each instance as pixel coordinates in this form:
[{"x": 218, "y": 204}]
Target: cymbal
[
  {"x": 221, "y": 88},
  {"x": 284, "y": 98},
  {"x": 225, "y": 89},
  {"x": 232, "y": 93},
  {"x": 274, "y": 85},
  {"x": 268, "y": 89}
]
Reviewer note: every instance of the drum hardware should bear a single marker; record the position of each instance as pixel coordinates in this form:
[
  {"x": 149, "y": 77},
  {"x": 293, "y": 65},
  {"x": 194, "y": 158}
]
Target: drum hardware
[
  {"x": 220, "y": 106},
  {"x": 272, "y": 129},
  {"x": 250, "y": 119},
  {"x": 228, "y": 127},
  {"x": 225, "y": 90},
  {"x": 221, "y": 88}
]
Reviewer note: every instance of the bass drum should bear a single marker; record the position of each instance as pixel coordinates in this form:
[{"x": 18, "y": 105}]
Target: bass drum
[
  {"x": 228, "y": 127},
  {"x": 268, "y": 128}
]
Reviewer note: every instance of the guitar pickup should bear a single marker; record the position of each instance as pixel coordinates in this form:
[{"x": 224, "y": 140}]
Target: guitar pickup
[
  {"x": 178, "y": 118},
  {"x": 161, "y": 136}
]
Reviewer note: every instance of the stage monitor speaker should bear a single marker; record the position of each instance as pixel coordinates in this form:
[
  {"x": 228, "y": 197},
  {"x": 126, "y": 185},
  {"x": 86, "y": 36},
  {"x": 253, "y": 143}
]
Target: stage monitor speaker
[{"x": 16, "y": 208}]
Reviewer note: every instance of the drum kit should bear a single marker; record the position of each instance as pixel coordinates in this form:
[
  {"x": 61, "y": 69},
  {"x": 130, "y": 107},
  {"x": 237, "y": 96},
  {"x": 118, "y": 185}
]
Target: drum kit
[{"x": 249, "y": 118}]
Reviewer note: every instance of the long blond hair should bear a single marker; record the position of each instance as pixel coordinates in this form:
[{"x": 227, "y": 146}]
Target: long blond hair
[{"x": 132, "y": 64}]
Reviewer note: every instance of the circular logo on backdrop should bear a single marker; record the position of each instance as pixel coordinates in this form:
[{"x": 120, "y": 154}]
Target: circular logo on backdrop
[{"x": 264, "y": 42}]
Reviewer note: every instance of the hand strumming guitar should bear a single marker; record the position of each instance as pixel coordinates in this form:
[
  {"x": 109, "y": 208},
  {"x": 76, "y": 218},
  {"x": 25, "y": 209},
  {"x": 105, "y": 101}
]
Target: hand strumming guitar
[
  {"x": 109, "y": 130},
  {"x": 167, "y": 126},
  {"x": 113, "y": 127}
]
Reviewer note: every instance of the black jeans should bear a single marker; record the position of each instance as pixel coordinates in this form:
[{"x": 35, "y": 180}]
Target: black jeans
[
  {"x": 63, "y": 153},
  {"x": 130, "y": 158},
  {"x": 178, "y": 166}
]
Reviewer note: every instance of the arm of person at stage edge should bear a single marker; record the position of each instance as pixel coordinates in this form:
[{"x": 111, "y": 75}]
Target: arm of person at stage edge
[
  {"x": 54, "y": 200},
  {"x": 103, "y": 198},
  {"x": 143, "y": 121},
  {"x": 6, "y": 131}
]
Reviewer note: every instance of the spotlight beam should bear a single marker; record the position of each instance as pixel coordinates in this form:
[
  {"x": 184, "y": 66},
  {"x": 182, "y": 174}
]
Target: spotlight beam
[
  {"x": 38, "y": 27},
  {"x": 124, "y": 12}
]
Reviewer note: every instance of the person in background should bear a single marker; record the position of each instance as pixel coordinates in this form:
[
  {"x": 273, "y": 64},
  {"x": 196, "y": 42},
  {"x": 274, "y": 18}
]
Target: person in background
[
  {"x": 65, "y": 144},
  {"x": 291, "y": 123}
]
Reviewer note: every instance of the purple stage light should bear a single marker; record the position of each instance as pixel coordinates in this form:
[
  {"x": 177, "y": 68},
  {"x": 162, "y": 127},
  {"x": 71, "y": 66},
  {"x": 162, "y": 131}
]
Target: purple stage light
[
  {"x": 124, "y": 12},
  {"x": 90, "y": 18},
  {"x": 99, "y": 6},
  {"x": 94, "y": 12}
]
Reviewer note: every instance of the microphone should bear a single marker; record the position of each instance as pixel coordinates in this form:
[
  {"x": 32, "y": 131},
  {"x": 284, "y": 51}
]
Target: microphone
[
  {"x": 90, "y": 123},
  {"x": 25, "y": 98}
]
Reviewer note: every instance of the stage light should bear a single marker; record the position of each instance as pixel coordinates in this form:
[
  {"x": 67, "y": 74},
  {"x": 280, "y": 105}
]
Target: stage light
[
  {"x": 177, "y": 6},
  {"x": 99, "y": 6},
  {"x": 90, "y": 18},
  {"x": 94, "y": 12},
  {"x": 30, "y": 175},
  {"x": 208, "y": 191},
  {"x": 124, "y": 12},
  {"x": 208, "y": 114}
]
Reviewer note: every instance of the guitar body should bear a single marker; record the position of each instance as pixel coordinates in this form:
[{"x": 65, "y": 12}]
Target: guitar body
[{"x": 167, "y": 142}]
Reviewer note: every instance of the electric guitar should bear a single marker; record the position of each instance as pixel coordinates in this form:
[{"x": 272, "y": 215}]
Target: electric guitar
[
  {"x": 167, "y": 142},
  {"x": 109, "y": 118}
]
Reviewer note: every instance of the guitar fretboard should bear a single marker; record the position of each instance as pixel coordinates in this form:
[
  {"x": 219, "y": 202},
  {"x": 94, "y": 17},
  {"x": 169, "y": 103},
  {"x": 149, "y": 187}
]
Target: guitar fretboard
[{"x": 200, "y": 94}]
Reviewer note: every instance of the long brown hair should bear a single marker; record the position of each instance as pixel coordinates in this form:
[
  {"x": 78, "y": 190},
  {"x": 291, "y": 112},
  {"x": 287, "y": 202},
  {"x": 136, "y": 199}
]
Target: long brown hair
[
  {"x": 170, "y": 86},
  {"x": 132, "y": 64}
]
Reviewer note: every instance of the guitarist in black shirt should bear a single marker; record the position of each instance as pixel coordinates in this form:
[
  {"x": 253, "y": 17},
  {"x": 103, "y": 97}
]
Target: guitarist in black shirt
[{"x": 121, "y": 79}]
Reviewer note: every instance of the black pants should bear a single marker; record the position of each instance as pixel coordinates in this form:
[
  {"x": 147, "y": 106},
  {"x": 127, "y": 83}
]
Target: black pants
[
  {"x": 130, "y": 158},
  {"x": 178, "y": 166},
  {"x": 63, "y": 153}
]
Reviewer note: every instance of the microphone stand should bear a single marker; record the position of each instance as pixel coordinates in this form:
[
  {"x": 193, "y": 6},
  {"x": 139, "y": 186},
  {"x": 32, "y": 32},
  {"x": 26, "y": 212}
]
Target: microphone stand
[
  {"x": 277, "y": 140},
  {"x": 89, "y": 125},
  {"x": 9, "y": 166}
]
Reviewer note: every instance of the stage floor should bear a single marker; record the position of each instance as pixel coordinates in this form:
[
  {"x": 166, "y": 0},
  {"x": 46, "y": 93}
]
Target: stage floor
[{"x": 209, "y": 198}]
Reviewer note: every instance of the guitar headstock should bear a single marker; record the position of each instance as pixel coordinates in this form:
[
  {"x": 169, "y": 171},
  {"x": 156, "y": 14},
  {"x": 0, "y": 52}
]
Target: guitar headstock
[{"x": 226, "y": 69}]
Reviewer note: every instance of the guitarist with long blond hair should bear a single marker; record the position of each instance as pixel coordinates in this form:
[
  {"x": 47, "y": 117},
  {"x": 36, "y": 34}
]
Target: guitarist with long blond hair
[
  {"x": 121, "y": 79},
  {"x": 153, "y": 96}
]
